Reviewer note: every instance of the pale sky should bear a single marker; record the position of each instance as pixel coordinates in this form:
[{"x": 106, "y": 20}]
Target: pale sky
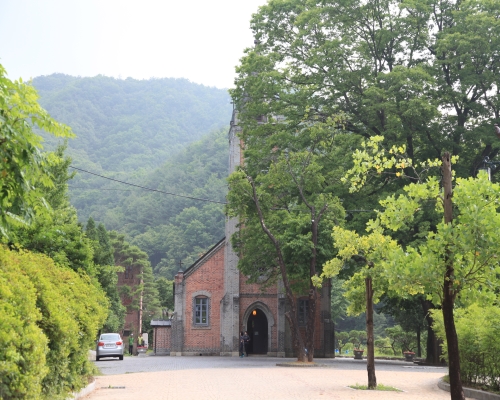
[{"x": 200, "y": 40}]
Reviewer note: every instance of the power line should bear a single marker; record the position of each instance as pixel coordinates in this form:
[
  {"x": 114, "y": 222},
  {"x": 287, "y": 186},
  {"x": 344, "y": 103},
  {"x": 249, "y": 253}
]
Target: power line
[
  {"x": 146, "y": 188},
  {"x": 115, "y": 190}
]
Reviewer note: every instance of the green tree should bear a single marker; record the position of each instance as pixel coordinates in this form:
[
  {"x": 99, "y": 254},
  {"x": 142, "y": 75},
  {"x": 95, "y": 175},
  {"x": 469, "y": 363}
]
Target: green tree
[
  {"x": 55, "y": 231},
  {"x": 286, "y": 209},
  {"x": 368, "y": 284},
  {"x": 408, "y": 313},
  {"x": 400, "y": 340},
  {"x": 151, "y": 304},
  {"x": 462, "y": 251},
  {"x": 420, "y": 73},
  {"x": 23, "y": 167},
  {"x": 338, "y": 302},
  {"x": 107, "y": 275},
  {"x": 342, "y": 340},
  {"x": 423, "y": 73},
  {"x": 166, "y": 293},
  {"x": 144, "y": 296}
]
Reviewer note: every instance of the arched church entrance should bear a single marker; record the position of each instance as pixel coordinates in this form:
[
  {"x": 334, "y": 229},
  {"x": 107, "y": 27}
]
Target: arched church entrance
[{"x": 257, "y": 328}]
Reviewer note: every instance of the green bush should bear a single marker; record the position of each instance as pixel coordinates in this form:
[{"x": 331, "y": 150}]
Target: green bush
[
  {"x": 23, "y": 345},
  {"x": 67, "y": 307},
  {"x": 401, "y": 340},
  {"x": 477, "y": 329}
]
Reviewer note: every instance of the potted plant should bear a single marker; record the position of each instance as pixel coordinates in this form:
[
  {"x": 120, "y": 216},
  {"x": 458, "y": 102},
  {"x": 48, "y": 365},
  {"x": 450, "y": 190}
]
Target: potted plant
[
  {"x": 409, "y": 355},
  {"x": 358, "y": 354},
  {"x": 356, "y": 338}
]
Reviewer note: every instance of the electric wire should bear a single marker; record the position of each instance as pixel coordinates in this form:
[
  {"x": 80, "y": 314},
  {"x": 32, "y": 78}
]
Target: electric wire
[{"x": 146, "y": 188}]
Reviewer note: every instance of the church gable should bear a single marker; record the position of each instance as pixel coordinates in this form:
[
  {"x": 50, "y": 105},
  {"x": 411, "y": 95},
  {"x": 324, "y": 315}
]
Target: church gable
[{"x": 203, "y": 290}]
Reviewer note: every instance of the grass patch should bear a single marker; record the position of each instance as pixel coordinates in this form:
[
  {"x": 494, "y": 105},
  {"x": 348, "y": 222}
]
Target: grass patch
[
  {"x": 380, "y": 387},
  {"x": 300, "y": 364}
]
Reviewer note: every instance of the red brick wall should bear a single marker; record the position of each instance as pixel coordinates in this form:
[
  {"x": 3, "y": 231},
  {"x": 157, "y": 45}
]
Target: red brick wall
[
  {"x": 208, "y": 277},
  {"x": 262, "y": 296},
  {"x": 162, "y": 340}
]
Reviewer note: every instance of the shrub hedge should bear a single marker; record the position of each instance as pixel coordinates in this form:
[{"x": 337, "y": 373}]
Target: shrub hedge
[
  {"x": 49, "y": 319},
  {"x": 477, "y": 330}
]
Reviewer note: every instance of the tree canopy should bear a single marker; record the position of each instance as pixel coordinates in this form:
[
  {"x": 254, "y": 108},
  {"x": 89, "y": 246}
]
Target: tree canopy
[{"x": 23, "y": 167}]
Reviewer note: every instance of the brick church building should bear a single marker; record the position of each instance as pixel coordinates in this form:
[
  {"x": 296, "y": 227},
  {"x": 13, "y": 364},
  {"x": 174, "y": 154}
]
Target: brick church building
[{"x": 213, "y": 303}]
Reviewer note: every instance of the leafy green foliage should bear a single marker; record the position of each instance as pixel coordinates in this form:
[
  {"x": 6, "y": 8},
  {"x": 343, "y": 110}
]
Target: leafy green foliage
[
  {"x": 400, "y": 340},
  {"x": 107, "y": 275},
  {"x": 23, "y": 168},
  {"x": 125, "y": 125},
  {"x": 56, "y": 231},
  {"x": 339, "y": 303},
  {"x": 477, "y": 330},
  {"x": 471, "y": 239},
  {"x": 417, "y": 72},
  {"x": 357, "y": 338},
  {"x": 127, "y": 255},
  {"x": 23, "y": 345},
  {"x": 166, "y": 293},
  {"x": 146, "y": 132},
  {"x": 342, "y": 340},
  {"x": 67, "y": 307},
  {"x": 170, "y": 228}
]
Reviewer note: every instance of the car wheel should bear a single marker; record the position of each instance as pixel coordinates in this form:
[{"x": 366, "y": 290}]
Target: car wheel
[
  {"x": 97, "y": 358},
  {"x": 121, "y": 358}
]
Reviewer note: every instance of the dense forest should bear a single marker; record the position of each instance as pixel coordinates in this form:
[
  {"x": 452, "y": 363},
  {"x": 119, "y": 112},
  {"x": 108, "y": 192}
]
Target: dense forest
[
  {"x": 130, "y": 125},
  {"x": 164, "y": 134}
]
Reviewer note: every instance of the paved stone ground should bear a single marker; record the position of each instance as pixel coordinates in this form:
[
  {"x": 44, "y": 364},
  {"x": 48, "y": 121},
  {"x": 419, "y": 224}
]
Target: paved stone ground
[{"x": 258, "y": 378}]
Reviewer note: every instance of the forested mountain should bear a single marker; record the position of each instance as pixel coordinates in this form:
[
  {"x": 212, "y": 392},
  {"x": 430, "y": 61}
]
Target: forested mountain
[
  {"x": 169, "y": 227},
  {"x": 146, "y": 132},
  {"x": 126, "y": 125}
]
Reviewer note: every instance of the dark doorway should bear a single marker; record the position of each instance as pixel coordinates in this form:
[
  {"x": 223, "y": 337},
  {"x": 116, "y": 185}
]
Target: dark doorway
[{"x": 257, "y": 330}]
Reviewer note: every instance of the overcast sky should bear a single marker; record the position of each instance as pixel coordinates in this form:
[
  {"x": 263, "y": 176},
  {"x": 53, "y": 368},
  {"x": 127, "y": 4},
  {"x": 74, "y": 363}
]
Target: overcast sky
[{"x": 200, "y": 40}]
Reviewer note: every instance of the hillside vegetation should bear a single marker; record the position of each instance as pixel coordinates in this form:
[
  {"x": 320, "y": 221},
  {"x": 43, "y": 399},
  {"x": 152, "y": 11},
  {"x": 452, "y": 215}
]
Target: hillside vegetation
[
  {"x": 164, "y": 134},
  {"x": 128, "y": 125}
]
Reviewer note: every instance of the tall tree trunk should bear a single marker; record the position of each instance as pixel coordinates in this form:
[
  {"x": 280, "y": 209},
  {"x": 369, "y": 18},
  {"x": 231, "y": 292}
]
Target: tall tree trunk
[
  {"x": 419, "y": 347},
  {"x": 297, "y": 342},
  {"x": 449, "y": 293},
  {"x": 433, "y": 348},
  {"x": 370, "y": 356},
  {"x": 452, "y": 339},
  {"x": 291, "y": 316},
  {"x": 310, "y": 328},
  {"x": 313, "y": 293}
]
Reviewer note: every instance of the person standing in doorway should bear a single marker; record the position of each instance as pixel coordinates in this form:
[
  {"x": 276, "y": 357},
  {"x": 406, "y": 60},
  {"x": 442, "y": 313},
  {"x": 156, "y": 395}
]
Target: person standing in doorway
[
  {"x": 131, "y": 344},
  {"x": 246, "y": 340},
  {"x": 242, "y": 345}
]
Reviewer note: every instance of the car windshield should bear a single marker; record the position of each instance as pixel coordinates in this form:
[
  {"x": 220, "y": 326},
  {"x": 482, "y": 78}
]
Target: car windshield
[{"x": 110, "y": 336}]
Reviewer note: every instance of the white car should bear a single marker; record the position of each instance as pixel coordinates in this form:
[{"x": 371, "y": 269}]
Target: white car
[{"x": 109, "y": 345}]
